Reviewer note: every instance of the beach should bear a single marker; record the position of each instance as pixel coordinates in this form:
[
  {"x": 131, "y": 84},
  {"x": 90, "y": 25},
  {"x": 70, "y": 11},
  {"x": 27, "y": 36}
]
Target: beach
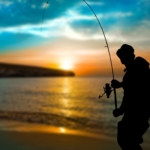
[
  {"x": 58, "y": 114},
  {"x": 22, "y": 136}
]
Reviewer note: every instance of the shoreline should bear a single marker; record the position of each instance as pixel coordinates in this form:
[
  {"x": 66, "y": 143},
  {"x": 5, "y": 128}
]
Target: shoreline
[
  {"x": 18, "y": 126},
  {"x": 16, "y": 135}
]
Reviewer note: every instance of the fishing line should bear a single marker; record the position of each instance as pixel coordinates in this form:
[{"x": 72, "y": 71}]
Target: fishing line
[
  {"x": 44, "y": 13},
  {"x": 115, "y": 97}
]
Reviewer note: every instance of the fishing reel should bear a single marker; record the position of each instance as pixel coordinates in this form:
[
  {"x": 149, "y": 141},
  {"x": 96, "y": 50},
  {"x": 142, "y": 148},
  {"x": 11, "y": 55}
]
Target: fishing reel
[{"x": 107, "y": 90}]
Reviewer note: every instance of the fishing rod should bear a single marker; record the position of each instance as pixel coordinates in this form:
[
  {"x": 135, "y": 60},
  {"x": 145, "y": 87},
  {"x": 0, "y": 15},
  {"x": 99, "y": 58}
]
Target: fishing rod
[{"x": 107, "y": 88}]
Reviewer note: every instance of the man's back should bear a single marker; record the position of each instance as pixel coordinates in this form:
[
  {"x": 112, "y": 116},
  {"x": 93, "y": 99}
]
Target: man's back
[{"x": 136, "y": 101}]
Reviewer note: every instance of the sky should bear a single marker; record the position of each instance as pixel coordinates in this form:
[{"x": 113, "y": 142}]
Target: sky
[{"x": 65, "y": 34}]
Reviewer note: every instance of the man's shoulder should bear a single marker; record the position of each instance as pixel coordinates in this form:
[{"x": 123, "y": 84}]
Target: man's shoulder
[
  {"x": 141, "y": 60},
  {"x": 140, "y": 63}
]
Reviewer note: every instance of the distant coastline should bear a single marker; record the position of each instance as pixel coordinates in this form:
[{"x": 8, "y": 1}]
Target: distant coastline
[{"x": 15, "y": 70}]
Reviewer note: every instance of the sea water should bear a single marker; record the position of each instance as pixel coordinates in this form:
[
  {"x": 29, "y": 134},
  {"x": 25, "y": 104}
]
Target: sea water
[{"x": 70, "y": 102}]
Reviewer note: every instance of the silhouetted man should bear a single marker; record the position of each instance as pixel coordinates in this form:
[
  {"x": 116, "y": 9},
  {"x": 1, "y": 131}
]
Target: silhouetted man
[{"x": 135, "y": 106}]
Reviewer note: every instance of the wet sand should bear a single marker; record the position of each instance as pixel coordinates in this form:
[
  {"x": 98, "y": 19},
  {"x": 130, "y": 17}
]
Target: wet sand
[
  {"x": 50, "y": 141},
  {"x": 47, "y": 141},
  {"x": 22, "y": 136}
]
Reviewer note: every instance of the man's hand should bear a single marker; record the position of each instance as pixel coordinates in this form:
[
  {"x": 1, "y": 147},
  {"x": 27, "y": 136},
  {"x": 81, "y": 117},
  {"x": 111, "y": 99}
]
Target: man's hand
[
  {"x": 116, "y": 84},
  {"x": 117, "y": 112}
]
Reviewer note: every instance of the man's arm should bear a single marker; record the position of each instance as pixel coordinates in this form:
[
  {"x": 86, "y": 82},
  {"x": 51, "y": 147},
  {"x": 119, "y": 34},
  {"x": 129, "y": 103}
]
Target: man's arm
[
  {"x": 116, "y": 84},
  {"x": 120, "y": 111}
]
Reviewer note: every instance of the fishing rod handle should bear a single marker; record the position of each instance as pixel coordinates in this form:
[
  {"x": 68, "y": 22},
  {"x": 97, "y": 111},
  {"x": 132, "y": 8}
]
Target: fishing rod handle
[{"x": 115, "y": 98}]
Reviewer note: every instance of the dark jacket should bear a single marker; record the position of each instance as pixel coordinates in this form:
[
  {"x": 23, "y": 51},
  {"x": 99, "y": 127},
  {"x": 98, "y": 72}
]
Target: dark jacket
[{"x": 136, "y": 85}]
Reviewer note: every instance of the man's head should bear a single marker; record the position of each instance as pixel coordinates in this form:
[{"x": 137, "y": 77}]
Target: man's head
[{"x": 126, "y": 54}]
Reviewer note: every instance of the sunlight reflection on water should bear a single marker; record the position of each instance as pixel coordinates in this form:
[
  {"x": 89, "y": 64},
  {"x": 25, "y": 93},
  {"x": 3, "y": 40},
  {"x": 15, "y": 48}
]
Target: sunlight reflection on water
[{"x": 62, "y": 102}]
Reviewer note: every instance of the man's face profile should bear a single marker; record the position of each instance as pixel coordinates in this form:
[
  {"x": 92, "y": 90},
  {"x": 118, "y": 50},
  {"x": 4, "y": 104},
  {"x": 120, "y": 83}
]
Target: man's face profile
[{"x": 127, "y": 59}]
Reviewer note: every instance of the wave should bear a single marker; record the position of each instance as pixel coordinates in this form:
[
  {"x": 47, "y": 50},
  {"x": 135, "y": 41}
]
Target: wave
[{"x": 72, "y": 122}]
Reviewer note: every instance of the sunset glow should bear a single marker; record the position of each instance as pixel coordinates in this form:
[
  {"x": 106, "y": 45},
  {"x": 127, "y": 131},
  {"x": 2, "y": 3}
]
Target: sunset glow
[
  {"x": 66, "y": 65},
  {"x": 62, "y": 130},
  {"x": 71, "y": 38}
]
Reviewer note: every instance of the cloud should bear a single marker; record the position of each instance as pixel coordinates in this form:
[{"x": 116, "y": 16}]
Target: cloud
[
  {"x": 67, "y": 26},
  {"x": 72, "y": 15},
  {"x": 74, "y": 21},
  {"x": 33, "y": 6},
  {"x": 21, "y": 12},
  {"x": 5, "y": 3},
  {"x": 45, "y": 5},
  {"x": 145, "y": 2},
  {"x": 92, "y": 3},
  {"x": 61, "y": 28}
]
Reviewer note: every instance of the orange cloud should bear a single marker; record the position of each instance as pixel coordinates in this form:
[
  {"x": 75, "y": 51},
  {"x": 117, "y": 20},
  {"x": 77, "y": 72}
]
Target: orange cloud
[{"x": 84, "y": 62}]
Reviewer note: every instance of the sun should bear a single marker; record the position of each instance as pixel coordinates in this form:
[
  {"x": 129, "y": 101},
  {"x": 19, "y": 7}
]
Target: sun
[
  {"x": 66, "y": 65},
  {"x": 62, "y": 130}
]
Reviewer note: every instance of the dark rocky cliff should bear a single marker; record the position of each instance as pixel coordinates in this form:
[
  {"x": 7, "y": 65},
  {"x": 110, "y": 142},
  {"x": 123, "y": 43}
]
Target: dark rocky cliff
[{"x": 12, "y": 70}]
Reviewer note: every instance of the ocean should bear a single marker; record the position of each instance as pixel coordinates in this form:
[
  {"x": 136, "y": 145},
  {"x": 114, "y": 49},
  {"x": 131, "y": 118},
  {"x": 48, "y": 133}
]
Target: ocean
[{"x": 70, "y": 102}]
